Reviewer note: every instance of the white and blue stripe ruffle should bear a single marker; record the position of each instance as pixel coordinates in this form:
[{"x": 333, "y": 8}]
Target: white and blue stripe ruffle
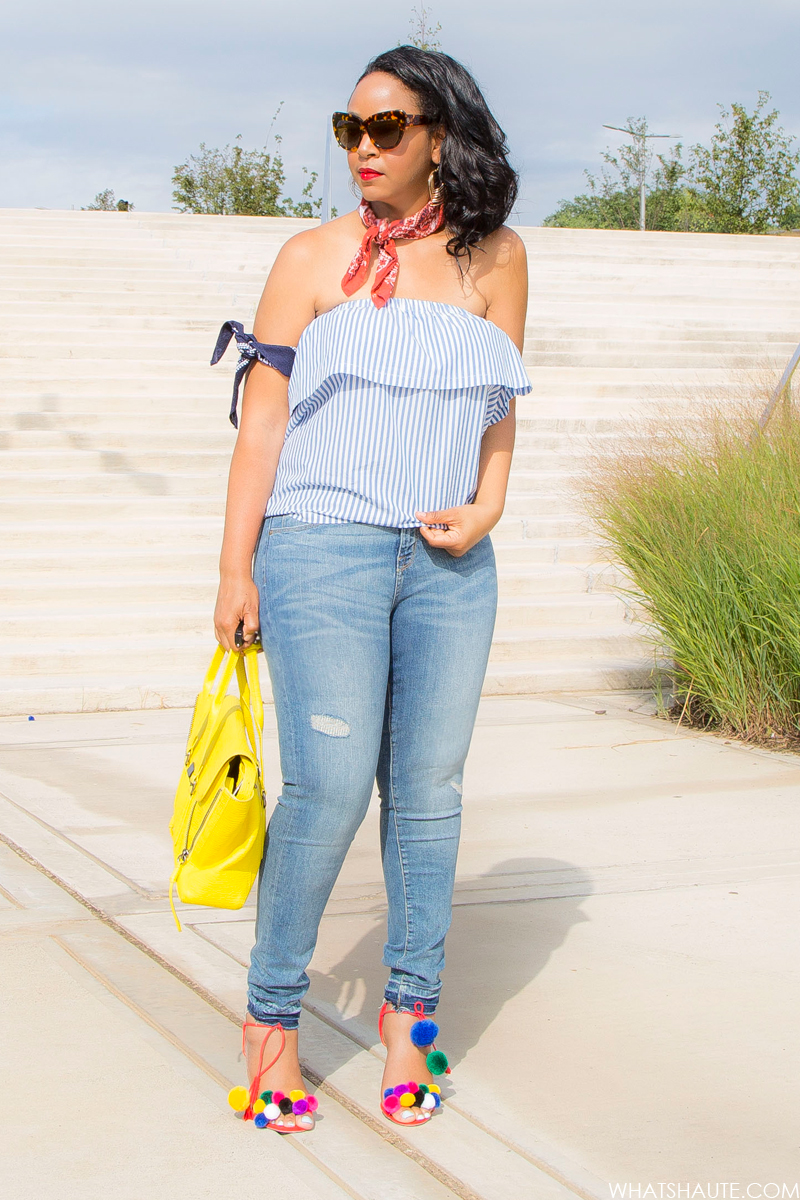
[
  {"x": 387, "y": 410},
  {"x": 407, "y": 343}
]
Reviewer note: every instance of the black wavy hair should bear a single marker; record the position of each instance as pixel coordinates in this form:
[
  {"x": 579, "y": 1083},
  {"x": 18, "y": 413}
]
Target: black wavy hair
[{"x": 480, "y": 185}]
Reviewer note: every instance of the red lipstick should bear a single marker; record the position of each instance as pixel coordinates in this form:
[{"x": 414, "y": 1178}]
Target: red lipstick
[{"x": 367, "y": 173}]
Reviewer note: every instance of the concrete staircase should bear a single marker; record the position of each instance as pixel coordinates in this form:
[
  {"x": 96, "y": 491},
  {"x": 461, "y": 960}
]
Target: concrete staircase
[{"x": 114, "y": 438}]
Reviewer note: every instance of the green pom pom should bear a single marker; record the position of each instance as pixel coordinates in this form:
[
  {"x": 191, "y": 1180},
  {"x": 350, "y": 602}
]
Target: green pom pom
[
  {"x": 423, "y": 1087},
  {"x": 266, "y": 1097},
  {"x": 436, "y": 1062}
]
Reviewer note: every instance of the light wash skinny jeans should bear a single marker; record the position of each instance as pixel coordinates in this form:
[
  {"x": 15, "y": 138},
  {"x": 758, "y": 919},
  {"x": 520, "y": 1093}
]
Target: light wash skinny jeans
[{"x": 377, "y": 646}]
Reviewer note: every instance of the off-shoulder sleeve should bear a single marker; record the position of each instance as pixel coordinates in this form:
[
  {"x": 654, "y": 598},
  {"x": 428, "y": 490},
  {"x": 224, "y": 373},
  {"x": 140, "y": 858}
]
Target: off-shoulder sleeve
[{"x": 250, "y": 351}]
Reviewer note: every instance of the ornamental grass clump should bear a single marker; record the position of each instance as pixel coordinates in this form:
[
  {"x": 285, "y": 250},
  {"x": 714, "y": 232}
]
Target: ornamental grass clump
[{"x": 705, "y": 518}]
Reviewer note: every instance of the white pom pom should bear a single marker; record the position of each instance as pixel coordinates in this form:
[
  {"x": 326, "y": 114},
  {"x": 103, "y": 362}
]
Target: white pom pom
[
  {"x": 271, "y": 1112},
  {"x": 428, "y": 1101}
]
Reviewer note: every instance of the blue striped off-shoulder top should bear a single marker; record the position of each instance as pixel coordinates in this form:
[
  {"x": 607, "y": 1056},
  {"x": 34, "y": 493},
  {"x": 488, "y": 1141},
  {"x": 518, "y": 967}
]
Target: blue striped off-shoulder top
[{"x": 387, "y": 409}]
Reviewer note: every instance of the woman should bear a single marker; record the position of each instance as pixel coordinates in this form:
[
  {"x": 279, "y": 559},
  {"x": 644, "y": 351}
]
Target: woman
[{"x": 381, "y": 466}]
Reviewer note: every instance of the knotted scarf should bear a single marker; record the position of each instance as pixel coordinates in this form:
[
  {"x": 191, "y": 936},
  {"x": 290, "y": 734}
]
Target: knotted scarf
[{"x": 383, "y": 232}]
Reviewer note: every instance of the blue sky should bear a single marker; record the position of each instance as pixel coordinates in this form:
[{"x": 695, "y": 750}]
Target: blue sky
[{"x": 96, "y": 95}]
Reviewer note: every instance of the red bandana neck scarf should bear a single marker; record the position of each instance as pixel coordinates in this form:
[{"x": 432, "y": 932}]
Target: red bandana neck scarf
[{"x": 383, "y": 232}]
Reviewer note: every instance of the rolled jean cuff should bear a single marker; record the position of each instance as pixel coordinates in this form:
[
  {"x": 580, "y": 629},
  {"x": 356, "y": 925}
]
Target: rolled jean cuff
[
  {"x": 287, "y": 1020},
  {"x": 402, "y": 1000}
]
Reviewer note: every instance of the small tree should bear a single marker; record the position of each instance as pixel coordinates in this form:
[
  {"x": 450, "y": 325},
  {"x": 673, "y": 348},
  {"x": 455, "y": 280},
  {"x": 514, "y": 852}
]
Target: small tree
[
  {"x": 230, "y": 181},
  {"x": 747, "y": 174},
  {"x": 105, "y": 202},
  {"x": 423, "y": 34},
  {"x": 238, "y": 182}
]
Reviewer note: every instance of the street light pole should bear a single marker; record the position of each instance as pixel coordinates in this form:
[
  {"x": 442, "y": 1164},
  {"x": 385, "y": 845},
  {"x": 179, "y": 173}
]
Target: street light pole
[
  {"x": 642, "y": 137},
  {"x": 325, "y": 214}
]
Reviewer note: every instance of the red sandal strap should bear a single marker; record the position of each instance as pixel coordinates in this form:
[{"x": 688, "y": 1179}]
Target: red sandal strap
[
  {"x": 385, "y": 1007},
  {"x": 262, "y": 1070}
]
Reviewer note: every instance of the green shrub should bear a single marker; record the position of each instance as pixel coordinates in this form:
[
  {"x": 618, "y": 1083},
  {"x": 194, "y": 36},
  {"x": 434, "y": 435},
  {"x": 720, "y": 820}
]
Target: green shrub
[{"x": 706, "y": 520}]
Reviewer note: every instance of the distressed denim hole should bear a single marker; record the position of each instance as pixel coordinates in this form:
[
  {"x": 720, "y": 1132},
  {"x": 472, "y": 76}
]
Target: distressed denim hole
[
  {"x": 457, "y": 786},
  {"x": 333, "y": 726}
]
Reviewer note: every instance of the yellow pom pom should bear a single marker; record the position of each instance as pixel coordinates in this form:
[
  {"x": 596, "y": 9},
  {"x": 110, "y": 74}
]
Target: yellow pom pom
[
  {"x": 434, "y": 1087},
  {"x": 407, "y": 1099},
  {"x": 259, "y": 1106},
  {"x": 238, "y": 1098},
  {"x": 297, "y": 1094}
]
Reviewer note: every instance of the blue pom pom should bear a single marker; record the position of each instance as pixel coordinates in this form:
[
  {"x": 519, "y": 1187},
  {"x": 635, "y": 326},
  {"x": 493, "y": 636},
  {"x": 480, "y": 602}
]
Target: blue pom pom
[
  {"x": 436, "y": 1099},
  {"x": 388, "y": 1092},
  {"x": 424, "y": 1032},
  {"x": 260, "y": 1121}
]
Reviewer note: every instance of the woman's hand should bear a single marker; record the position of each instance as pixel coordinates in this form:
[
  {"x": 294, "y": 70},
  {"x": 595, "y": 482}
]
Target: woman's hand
[
  {"x": 466, "y": 525},
  {"x": 237, "y": 600}
]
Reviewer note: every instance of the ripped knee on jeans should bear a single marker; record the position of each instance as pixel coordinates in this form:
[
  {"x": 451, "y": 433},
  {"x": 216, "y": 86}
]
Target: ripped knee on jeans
[{"x": 332, "y": 726}]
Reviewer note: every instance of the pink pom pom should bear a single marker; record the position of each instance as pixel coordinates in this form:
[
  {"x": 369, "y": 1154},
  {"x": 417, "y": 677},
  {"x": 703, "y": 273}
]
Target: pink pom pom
[
  {"x": 313, "y": 1103},
  {"x": 412, "y": 1087},
  {"x": 391, "y": 1103},
  {"x": 277, "y": 1097}
]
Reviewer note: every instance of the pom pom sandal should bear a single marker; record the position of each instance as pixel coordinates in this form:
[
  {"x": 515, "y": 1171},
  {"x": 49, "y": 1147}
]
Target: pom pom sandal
[
  {"x": 425, "y": 1096},
  {"x": 266, "y": 1108}
]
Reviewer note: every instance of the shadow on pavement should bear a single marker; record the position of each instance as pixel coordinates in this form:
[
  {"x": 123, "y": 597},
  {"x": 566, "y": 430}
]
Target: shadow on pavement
[{"x": 495, "y": 948}]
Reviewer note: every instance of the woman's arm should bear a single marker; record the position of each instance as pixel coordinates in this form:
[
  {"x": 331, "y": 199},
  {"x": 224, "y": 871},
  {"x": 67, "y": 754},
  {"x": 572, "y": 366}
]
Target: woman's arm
[
  {"x": 507, "y": 295},
  {"x": 286, "y": 307}
]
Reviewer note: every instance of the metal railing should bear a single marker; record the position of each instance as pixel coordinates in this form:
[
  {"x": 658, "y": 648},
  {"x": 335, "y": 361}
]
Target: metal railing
[{"x": 775, "y": 398}]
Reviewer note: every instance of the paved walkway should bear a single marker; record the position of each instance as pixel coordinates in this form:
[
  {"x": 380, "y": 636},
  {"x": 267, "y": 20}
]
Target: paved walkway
[{"x": 659, "y": 868}]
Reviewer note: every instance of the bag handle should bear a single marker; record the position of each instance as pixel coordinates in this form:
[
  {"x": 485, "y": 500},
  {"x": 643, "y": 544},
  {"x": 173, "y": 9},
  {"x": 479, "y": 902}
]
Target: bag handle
[
  {"x": 252, "y": 703},
  {"x": 213, "y": 697},
  {"x": 243, "y": 663}
]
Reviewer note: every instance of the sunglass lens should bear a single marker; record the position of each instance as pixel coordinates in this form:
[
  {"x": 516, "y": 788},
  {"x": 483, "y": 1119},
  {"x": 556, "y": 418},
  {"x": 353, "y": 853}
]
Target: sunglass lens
[
  {"x": 348, "y": 132},
  {"x": 385, "y": 133}
]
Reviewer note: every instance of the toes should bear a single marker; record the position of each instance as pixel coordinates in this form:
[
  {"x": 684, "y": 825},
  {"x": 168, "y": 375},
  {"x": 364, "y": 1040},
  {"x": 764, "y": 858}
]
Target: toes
[
  {"x": 292, "y": 1121},
  {"x": 413, "y": 1116}
]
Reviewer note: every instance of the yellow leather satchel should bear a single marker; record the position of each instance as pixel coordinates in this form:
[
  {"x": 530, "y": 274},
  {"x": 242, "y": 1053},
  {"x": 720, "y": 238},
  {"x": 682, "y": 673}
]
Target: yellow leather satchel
[{"x": 218, "y": 822}]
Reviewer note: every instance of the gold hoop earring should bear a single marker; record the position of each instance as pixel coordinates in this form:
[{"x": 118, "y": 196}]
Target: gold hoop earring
[{"x": 435, "y": 187}]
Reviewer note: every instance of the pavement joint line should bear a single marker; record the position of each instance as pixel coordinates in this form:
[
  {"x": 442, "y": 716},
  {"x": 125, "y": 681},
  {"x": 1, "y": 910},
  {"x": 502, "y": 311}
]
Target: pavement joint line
[
  {"x": 11, "y": 899},
  {"x": 37, "y": 924},
  {"x": 455, "y": 1185},
  {"x": 98, "y": 862},
  {"x": 460, "y": 1189},
  {"x": 485, "y": 893},
  {"x": 430, "y": 1167},
  {"x": 107, "y": 919},
  {"x": 364, "y": 1115},
  {"x": 143, "y": 1015},
  {"x": 540, "y": 1164},
  {"x": 90, "y": 743},
  {"x": 184, "y": 1049}
]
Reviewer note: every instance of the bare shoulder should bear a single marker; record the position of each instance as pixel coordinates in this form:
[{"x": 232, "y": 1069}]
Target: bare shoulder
[
  {"x": 506, "y": 250},
  {"x": 287, "y": 302},
  {"x": 505, "y": 281},
  {"x": 296, "y": 282},
  {"x": 320, "y": 241}
]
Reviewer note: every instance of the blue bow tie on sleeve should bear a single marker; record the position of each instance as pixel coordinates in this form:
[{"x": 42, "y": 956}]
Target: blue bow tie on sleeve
[{"x": 250, "y": 351}]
